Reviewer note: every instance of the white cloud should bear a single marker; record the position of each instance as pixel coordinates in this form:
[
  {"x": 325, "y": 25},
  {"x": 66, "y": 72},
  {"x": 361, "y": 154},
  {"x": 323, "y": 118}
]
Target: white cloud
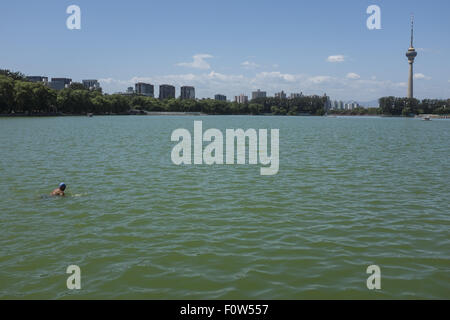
[
  {"x": 113, "y": 81},
  {"x": 277, "y": 75},
  {"x": 401, "y": 84},
  {"x": 320, "y": 79},
  {"x": 420, "y": 76},
  {"x": 198, "y": 62},
  {"x": 353, "y": 75},
  {"x": 249, "y": 65},
  {"x": 337, "y": 58},
  {"x": 223, "y": 77}
]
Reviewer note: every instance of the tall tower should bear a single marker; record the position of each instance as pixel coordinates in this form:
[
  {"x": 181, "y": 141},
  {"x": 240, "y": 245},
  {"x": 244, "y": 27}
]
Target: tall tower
[{"x": 411, "y": 54}]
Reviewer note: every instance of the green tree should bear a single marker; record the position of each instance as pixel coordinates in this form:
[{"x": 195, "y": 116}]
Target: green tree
[
  {"x": 44, "y": 97},
  {"x": 77, "y": 86},
  {"x": 100, "y": 104},
  {"x": 119, "y": 103},
  {"x": 13, "y": 75},
  {"x": 255, "y": 108},
  {"x": 6, "y": 94},
  {"x": 23, "y": 97}
]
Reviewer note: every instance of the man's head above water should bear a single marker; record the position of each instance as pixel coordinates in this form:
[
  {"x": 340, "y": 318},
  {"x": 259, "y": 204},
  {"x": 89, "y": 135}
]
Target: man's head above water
[{"x": 60, "y": 190}]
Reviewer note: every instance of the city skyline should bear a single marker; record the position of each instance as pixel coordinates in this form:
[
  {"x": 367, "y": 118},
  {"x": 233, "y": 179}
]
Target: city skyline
[
  {"x": 188, "y": 92},
  {"x": 148, "y": 89},
  {"x": 311, "y": 49}
]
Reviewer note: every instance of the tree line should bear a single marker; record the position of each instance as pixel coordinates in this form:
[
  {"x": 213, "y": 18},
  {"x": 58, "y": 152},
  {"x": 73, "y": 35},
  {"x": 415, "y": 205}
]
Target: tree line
[
  {"x": 409, "y": 106},
  {"x": 395, "y": 106},
  {"x": 359, "y": 111},
  {"x": 17, "y": 95},
  {"x": 20, "y": 96}
]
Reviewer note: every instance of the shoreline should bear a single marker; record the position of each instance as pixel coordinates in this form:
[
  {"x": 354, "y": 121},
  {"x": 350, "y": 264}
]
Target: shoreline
[
  {"x": 60, "y": 114},
  {"x": 168, "y": 113}
]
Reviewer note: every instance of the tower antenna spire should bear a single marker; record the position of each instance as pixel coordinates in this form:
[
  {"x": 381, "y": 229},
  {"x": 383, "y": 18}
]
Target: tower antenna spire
[{"x": 411, "y": 55}]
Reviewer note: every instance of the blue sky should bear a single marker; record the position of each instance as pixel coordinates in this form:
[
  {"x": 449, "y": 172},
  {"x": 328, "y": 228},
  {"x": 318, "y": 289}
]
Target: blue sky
[{"x": 233, "y": 47}]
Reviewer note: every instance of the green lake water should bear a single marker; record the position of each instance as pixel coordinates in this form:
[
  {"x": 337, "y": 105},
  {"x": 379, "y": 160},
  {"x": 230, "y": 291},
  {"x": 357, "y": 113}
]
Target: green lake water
[{"x": 351, "y": 192}]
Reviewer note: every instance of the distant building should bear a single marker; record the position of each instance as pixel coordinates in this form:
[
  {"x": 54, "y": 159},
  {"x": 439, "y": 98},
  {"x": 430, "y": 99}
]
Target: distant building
[
  {"x": 144, "y": 89},
  {"x": 338, "y": 105},
  {"x": 128, "y": 92},
  {"x": 220, "y": 97},
  {"x": 351, "y": 105},
  {"x": 334, "y": 105},
  {"x": 91, "y": 84},
  {"x": 241, "y": 98},
  {"x": 187, "y": 92},
  {"x": 166, "y": 91},
  {"x": 60, "y": 83},
  {"x": 327, "y": 102},
  {"x": 40, "y": 79},
  {"x": 296, "y": 95},
  {"x": 281, "y": 95},
  {"x": 258, "y": 94}
]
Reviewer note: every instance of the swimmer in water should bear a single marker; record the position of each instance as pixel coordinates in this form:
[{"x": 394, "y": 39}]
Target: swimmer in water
[{"x": 60, "y": 190}]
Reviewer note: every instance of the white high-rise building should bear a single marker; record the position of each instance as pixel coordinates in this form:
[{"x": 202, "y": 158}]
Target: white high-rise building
[{"x": 242, "y": 98}]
